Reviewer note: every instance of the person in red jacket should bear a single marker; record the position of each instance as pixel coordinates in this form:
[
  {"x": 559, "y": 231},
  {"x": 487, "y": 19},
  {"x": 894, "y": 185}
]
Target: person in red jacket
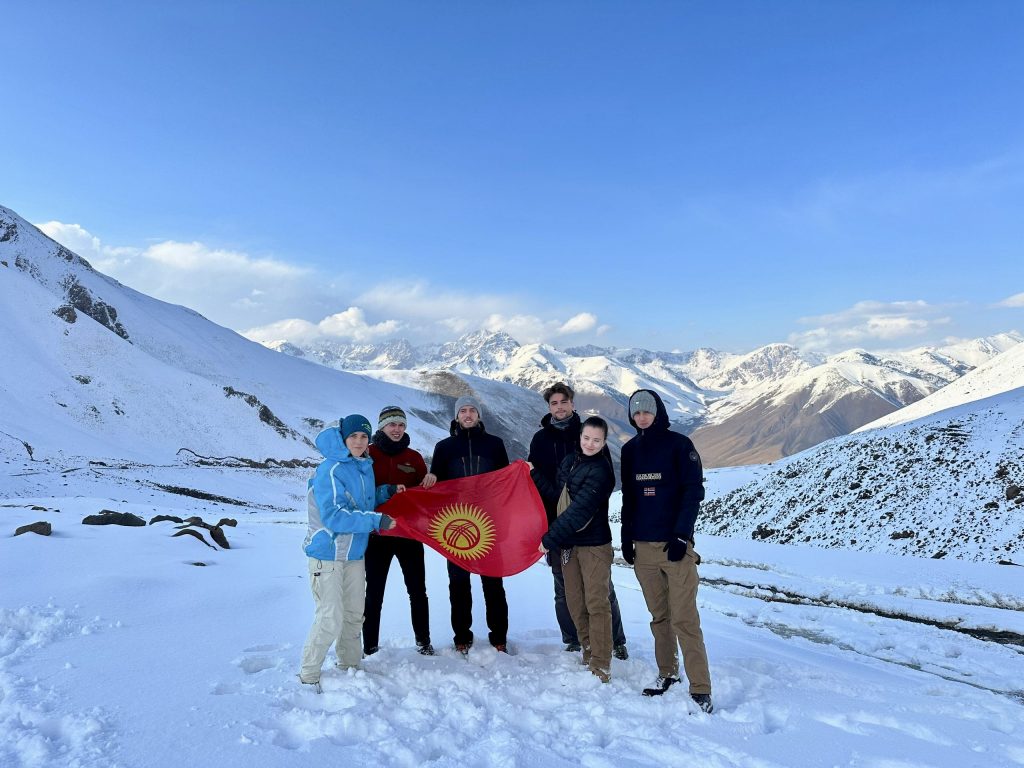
[{"x": 394, "y": 462}]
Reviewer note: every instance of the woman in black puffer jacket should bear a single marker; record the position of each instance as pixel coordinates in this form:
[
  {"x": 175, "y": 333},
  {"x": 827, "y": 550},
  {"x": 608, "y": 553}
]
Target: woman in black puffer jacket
[{"x": 581, "y": 531}]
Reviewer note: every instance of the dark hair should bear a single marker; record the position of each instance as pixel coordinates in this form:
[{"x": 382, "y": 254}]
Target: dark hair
[
  {"x": 597, "y": 422},
  {"x": 561, "y": 388}
]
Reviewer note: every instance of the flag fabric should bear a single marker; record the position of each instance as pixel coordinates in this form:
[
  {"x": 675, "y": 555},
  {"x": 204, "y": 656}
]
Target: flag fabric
[{"x": 490, "y": 524}]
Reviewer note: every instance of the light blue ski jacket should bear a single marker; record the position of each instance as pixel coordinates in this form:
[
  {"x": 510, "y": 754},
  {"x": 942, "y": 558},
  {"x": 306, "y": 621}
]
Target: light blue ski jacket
[{"x": 341, "y": 497}]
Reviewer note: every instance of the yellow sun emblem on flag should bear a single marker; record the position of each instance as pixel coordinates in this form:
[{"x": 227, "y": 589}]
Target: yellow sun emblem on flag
[{"x": 464, "y": 530}]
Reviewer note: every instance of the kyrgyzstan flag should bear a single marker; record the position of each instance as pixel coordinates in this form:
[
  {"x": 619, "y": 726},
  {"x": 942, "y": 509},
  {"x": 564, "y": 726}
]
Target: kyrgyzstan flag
[{"x": 490, "y": 524}]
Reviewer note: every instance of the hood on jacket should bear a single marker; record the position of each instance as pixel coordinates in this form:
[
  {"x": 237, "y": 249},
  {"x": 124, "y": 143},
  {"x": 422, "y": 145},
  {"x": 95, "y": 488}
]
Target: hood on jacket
[
  {"x": 660, "y": 418},
  {"x": 331, "y": 446}
]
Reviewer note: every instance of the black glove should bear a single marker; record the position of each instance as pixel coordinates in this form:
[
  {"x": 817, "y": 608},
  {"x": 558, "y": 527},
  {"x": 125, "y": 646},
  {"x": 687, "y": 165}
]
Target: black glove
[
  {"x": 386, "y": 522},
  {"x": 628, "y": 552},
  {"x": 676, "y": 549}
]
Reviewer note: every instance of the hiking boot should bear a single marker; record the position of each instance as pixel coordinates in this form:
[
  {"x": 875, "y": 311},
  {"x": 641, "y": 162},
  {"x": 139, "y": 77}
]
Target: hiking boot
[
  {"x": 314, "y": 684},
  {"x": 661, "y": 685},
  {"x": 703, "y": 701},
  {"x": 573, "y": 647},
  {"x": 424, "y": 649},
  {"x": 601, "y": 674},
  {"x": 463, "y": 648},
  {"x": 371, "y": 651},
  {"x": 620, "y": 652},
  {"x": 501, "y": 648}
]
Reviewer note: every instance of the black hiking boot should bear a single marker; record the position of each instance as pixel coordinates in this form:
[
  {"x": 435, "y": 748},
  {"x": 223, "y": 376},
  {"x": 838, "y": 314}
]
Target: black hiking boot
[
  {"x": 620, "y": 652},
  {"x": 661, "y": 685},
  {"x": 703, "y": 701},
  {"x": 424, "y": 649}
]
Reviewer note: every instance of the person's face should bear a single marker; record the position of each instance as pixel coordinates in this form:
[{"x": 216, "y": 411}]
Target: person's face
[
  {"x": 592, "y": 440},
  {"x": 394, "y": 430},
  {"x": 468, "y": 417},
  {"x": 357, "y": 443},
  {"x": 643, "y": 419},
  {"x": 560, "y": 407}
]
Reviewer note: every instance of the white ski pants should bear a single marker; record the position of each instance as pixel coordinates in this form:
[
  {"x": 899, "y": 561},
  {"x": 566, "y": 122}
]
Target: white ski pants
[{"x": 339, "y": 591}]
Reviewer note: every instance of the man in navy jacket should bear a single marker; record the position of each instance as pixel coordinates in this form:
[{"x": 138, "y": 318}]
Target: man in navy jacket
[{"x": 662, "y": 487}]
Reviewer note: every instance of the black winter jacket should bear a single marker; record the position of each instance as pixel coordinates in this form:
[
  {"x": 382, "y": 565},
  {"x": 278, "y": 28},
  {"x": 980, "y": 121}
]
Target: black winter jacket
[
  {"x": 662, "y": 482},
  {"x": 548, "y": 449},
  {"x": 584, "y": 523},
  {"x": 468, "y": 452}
]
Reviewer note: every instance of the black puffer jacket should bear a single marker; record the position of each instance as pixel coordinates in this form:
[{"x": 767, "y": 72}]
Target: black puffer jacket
[
  {"x": 662, "y": 482},
  {"x": 548, "y": 449},
  {"x": 468, "y": 452},
  {"x": 584, "y": 523}
]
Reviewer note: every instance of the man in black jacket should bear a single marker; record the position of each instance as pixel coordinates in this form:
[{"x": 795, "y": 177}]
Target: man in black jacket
[
  {"x": 558, "y": 437},
  {"x": 471, "y": 451},
  {"x": 662, "y": 487}
]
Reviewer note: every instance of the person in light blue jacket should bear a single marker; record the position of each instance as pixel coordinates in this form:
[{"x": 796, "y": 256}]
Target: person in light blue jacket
[{"x": 341, "y": 498}]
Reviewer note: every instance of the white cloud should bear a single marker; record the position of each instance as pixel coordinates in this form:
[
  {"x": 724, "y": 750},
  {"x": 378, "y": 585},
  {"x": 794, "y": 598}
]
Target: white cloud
[
  {"x": 584, "y": 321},
  {"x": 350, "y": 325},
  {"x": 1017, "y": 300},
  {"x": 867, "y": 322},
  {"x": 230, "y": 287},
  {"x": 238, "y": 290}
]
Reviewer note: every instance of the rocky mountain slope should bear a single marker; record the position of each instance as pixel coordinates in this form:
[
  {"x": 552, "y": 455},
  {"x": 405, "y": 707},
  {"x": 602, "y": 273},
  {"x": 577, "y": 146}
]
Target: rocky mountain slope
[{"x": 945, "y": 482}]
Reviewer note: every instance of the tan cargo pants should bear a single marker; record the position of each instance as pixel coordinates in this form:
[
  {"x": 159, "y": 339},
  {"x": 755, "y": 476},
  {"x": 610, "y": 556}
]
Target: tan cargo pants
[
  {"x": 670, "y": 590},
  {"x": 339, "y": 592},
  {"x": 586, "y": 577}
]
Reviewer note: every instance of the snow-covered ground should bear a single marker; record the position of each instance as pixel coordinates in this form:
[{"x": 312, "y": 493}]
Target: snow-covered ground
[{"x": 118, "y": 649}]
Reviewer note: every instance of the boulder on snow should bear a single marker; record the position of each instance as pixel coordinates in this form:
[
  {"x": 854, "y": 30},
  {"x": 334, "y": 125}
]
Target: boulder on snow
[
  {"x": 196, "y": 534},
  {"x": 43, "y": 528},
  {"x": 161, "y": 518},
  {"x": 110, "y": 517},
  {"x": 1012, "y": 491}
]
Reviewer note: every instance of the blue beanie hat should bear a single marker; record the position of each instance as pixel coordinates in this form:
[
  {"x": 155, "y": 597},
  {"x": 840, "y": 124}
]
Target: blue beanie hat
[{"x": 355, "y": 423}]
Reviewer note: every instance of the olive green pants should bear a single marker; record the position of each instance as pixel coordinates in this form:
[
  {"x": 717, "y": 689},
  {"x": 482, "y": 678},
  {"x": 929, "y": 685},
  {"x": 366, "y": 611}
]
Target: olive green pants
[
  {"x": 670, "y": 590},
  {"x": 586, "y": 576}
]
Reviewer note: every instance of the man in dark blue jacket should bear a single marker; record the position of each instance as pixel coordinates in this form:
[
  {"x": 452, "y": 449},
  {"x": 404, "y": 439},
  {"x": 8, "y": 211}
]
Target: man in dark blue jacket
[
  {"x": 662, "y": 487},
  {"x": 558, "y": 437},
  {"x": 472, "y": 451}
]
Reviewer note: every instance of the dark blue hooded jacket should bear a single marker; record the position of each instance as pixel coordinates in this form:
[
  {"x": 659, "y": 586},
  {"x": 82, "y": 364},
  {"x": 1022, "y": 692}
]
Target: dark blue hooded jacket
[{"x": 662, "y": 482}]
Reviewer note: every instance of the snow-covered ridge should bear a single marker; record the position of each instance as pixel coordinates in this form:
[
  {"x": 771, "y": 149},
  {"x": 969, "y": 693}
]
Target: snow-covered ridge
[
  {"x": 946, "y": 484},
  {"x": 93, "y": 368}
]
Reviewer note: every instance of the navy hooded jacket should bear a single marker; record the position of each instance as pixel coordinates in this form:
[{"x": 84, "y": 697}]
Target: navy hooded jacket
[{"x": 662, "y": 482}]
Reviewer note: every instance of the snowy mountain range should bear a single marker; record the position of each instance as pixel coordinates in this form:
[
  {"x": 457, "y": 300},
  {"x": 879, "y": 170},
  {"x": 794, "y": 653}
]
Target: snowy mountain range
[{"x": 739, "y": 409}]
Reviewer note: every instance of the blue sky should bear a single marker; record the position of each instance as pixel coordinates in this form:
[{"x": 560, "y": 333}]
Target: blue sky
[{"x": 659, "y": 174}]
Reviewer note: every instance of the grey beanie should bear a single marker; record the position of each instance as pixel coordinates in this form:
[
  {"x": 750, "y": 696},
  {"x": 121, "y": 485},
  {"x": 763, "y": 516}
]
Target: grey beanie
[
  {"x": 642, "y": 400},
  {"x": 468, "y": 400}
]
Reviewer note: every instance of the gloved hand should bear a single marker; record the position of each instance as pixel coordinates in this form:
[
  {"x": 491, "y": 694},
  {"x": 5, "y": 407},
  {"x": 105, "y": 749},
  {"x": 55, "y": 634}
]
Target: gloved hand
[
  {"x": 628, "y": 551},
  {"x": 386, "y": 522},
  {"x": 676, "y": 550}
]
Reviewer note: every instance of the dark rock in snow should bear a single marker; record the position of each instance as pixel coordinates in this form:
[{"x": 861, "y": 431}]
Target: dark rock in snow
[
  {"x": 109, "y": 517},
  {"x": 1012, "y": 491},
  {"x": 194, "y": 533},
  {"x": 162, "y": 518},
  {"x": 43, "y": 528}
]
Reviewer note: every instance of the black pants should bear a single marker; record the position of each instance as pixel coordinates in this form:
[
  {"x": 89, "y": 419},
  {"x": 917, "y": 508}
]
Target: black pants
[
  {"x": 460, "y": 592},
  {"x": 379, "y": 552}
]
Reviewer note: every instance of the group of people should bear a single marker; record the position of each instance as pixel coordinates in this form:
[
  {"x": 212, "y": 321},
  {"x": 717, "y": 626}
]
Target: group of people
[{"x": 570, "y": 463}]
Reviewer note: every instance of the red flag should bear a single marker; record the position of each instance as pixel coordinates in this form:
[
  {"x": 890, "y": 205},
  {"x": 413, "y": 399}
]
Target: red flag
[{"x": 490, "y": 524}]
